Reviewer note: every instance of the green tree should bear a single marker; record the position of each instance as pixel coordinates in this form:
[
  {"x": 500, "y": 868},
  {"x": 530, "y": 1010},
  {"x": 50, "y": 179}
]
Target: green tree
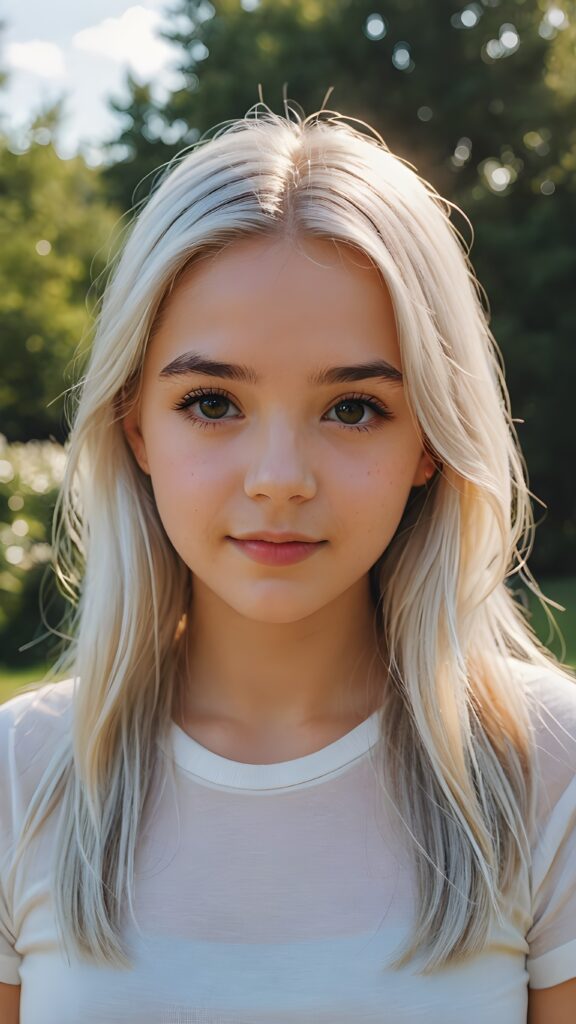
[
  {"x": 55, "y": 232},
  {"x": 141, "y": 148}
]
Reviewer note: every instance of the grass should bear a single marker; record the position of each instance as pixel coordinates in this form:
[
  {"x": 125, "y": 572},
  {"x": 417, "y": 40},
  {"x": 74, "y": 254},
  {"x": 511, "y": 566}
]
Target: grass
[{"x": 562, "y": 591}]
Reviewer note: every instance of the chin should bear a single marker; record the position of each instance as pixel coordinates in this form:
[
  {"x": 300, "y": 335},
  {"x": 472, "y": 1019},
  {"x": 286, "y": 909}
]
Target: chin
[{"x": 274, "y": 612}]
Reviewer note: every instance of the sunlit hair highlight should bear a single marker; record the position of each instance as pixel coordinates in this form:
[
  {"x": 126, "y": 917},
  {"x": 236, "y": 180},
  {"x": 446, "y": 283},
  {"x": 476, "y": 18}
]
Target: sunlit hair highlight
[{"x": 456, "y": 748}]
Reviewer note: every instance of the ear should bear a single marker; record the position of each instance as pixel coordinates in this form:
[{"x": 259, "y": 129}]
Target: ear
[
  {"x": 133, "y": 433},
  {"x": 425, "y": 470}
]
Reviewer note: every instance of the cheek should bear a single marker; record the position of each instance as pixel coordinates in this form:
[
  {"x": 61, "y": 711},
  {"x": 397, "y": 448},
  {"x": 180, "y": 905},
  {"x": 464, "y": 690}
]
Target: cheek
[
  {"x": 178, "y": 463},
  {"x": 373, "y": 498},
  {"x": 385, "y": 480},
  {"x": 188, "y": 485}
]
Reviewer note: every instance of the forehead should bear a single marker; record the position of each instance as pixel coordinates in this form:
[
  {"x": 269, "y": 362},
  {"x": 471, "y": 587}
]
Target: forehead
[{"x": 305, "y": 298}]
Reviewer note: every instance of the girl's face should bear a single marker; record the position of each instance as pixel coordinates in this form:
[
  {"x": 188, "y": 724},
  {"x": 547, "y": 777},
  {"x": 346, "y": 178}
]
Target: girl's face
[{"x": 257, "y": 444}]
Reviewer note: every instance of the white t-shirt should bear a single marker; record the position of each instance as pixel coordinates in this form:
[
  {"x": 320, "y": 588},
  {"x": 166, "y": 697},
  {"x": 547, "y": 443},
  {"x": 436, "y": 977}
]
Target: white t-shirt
[{"x": 275, "y": 893}]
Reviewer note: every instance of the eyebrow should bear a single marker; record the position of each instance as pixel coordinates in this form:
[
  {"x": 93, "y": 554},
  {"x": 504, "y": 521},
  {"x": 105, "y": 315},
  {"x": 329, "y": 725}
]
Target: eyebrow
[{"x": 194, "y": 362}]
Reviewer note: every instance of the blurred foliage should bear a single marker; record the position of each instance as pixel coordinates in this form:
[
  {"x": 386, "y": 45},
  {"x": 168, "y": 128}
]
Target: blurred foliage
[
  {"x": 413, "y": 70},
  {"x": 30, "y": 474},
  {"x": 54, "y": 223}
]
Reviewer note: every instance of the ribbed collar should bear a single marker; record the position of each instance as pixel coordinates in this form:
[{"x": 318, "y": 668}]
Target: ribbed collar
[{"x": 205, "y": 764}]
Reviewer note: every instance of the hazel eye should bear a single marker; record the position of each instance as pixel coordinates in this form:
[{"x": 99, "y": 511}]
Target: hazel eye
[
  {"x": 212, "y": 400},
  {"x": 211, "y": 404},
  {"x": 353, "y": 405},
  {"x": 382, "y": 412}
]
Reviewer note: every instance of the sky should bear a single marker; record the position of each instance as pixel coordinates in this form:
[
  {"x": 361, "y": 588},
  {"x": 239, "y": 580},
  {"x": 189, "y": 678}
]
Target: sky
[{"x": 82, "y": 51}]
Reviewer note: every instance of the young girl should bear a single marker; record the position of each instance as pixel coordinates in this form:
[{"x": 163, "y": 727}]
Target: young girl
[{"x": 310, "y": 764}]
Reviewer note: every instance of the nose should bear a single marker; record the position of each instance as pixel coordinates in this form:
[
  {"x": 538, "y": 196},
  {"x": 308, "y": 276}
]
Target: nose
[{"x": 278, "y": 465}]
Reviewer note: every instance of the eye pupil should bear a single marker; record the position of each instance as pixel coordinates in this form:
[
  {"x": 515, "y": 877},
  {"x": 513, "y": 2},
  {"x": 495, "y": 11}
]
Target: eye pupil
[
  {"x": 351, "y": 402},
  {"x": 210, "y": 402}
]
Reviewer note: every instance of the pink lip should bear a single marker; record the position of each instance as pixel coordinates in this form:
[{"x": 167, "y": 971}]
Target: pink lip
[{"x": 268, "y": 553}]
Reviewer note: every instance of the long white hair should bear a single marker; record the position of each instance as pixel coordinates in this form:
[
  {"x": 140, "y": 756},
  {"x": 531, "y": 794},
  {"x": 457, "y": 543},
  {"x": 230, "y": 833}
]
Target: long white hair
[{"x": 457, "y": 743}]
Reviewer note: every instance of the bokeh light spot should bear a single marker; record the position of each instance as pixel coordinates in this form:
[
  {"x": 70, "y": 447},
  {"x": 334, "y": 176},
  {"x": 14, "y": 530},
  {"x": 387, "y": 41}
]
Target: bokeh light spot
[
  {"x": 556, "y": 17},
  {"x": 20, "y": 527},
  {"x": 509, "y": 37},
  {"x": 6, "y": 471},
  {"x": 401, "y": 56},
  {"x": 468, "y": 17},
  {"x": 14, "y": 554},
  {"x": 375, "y": 27},
  {"x": 498, "y": 176},
  {"x": 462, "y": 151}
]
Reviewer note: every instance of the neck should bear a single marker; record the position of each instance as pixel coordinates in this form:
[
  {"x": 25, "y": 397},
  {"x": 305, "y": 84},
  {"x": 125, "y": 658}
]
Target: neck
[{"x": 326, "y": 667}]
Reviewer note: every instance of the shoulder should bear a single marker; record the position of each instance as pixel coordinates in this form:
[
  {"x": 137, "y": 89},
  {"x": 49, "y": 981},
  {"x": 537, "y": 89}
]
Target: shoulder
[
  {"x": 551, "y": 701},
  {"x": 551, "y": 935},
  {"x": 32, "y": 724},
  {"x": 551, "y": 697},
  {"x": 42, "y": 703}
]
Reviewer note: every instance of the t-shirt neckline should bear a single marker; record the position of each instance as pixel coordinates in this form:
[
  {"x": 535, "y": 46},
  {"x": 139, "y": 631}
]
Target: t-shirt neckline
[{"x": 197, "y": 760}]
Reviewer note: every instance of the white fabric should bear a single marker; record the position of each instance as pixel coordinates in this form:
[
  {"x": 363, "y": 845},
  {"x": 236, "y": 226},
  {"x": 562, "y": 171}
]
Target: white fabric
[{"x": 275, "y": 893}]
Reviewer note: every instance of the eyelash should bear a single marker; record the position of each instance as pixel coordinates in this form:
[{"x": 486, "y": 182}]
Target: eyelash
[{"x": 382, "y": 411}]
